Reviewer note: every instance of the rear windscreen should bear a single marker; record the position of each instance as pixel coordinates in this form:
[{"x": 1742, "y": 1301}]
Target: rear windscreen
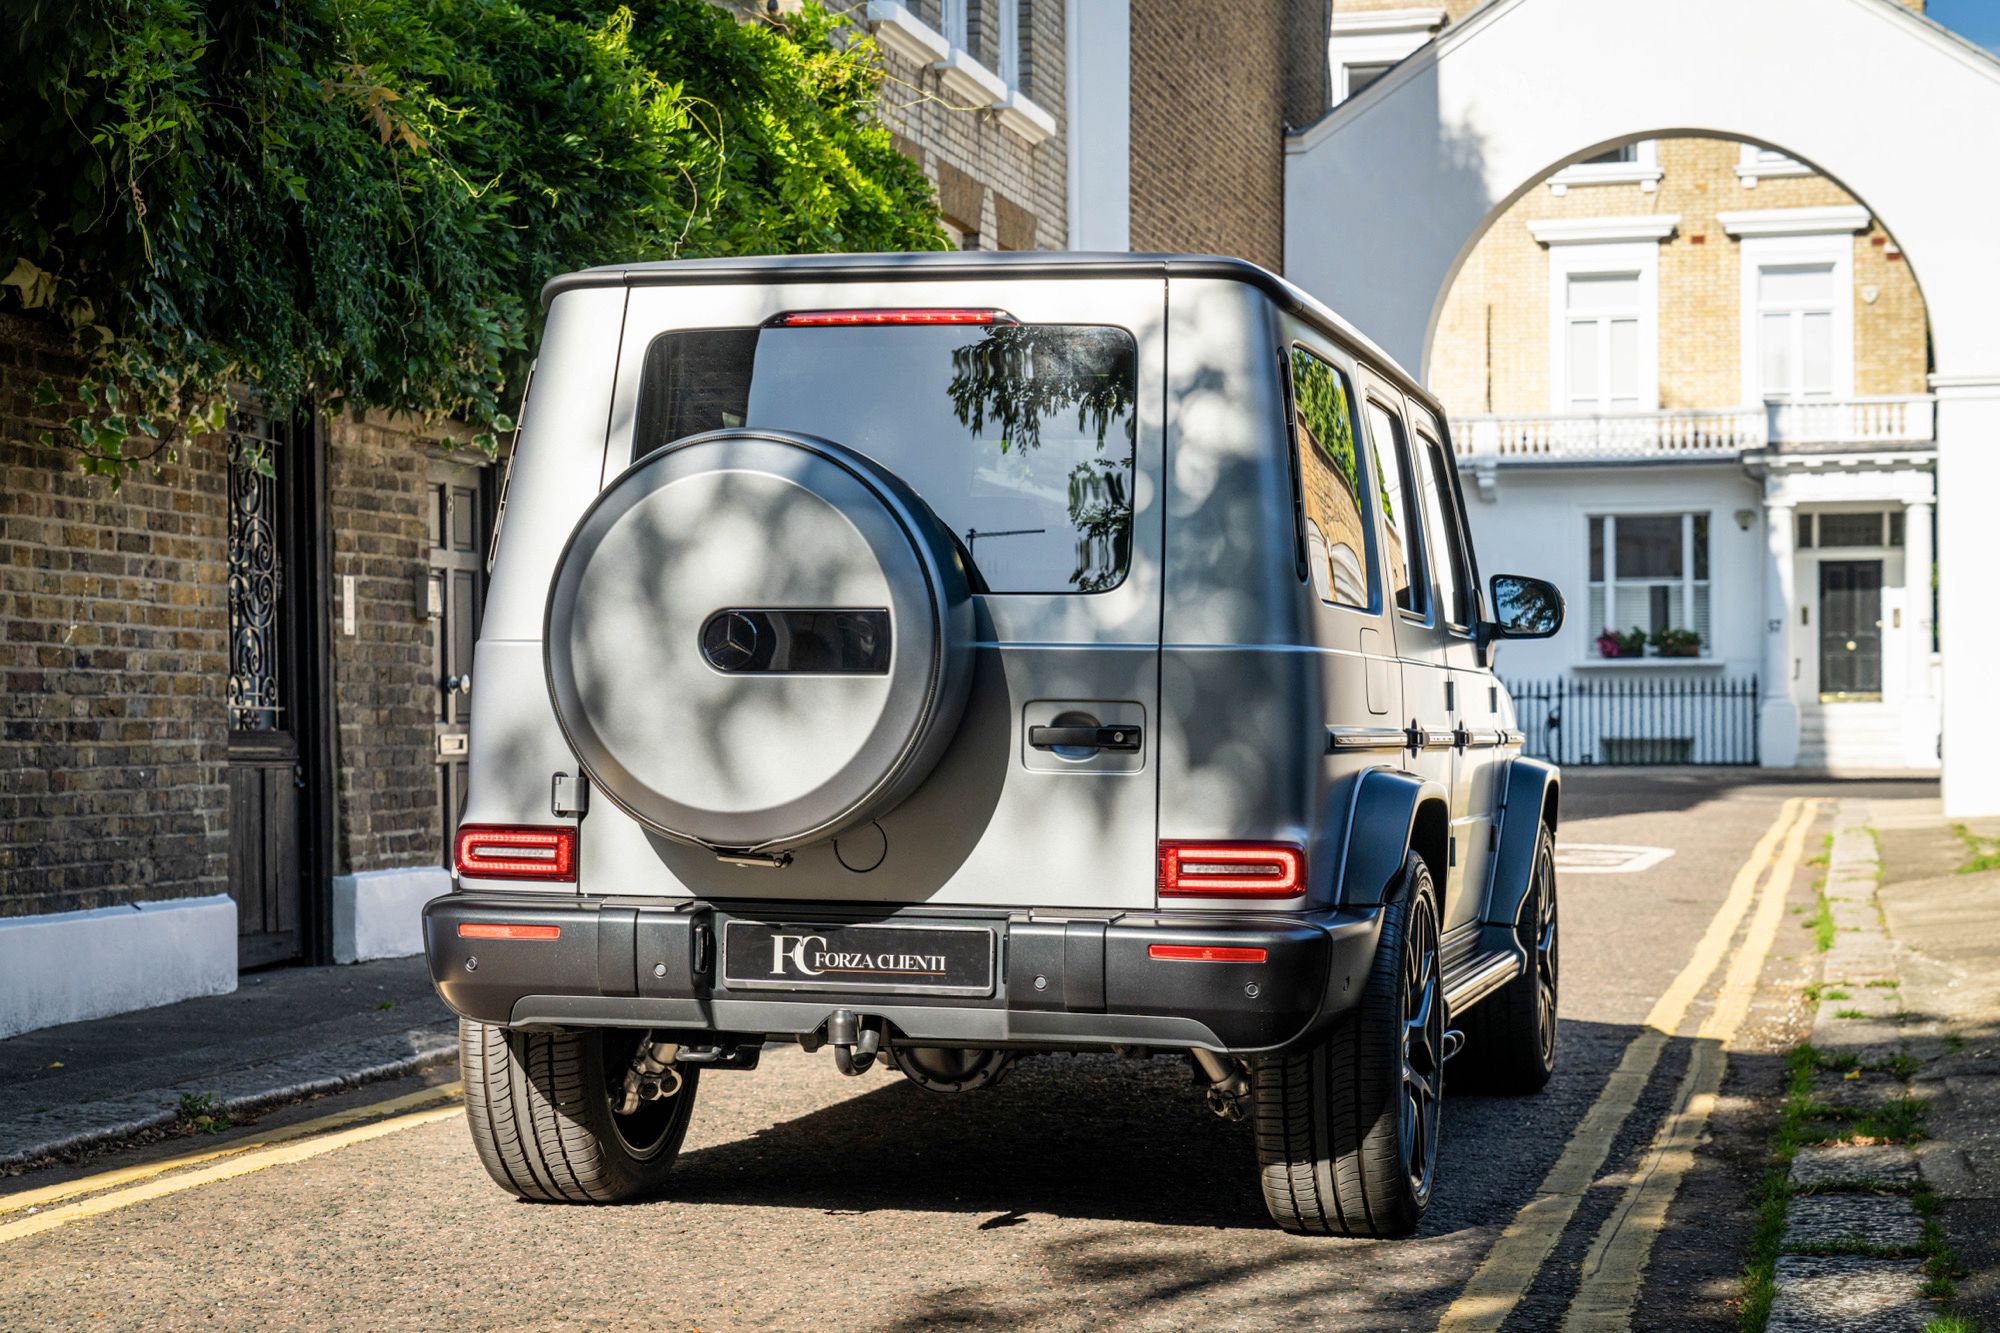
[{"x": 1019, "y": 436}]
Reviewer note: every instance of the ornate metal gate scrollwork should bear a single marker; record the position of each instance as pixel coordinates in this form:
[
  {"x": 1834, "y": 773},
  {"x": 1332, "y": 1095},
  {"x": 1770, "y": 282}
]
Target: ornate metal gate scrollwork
[{"x": 256, "y": 583}]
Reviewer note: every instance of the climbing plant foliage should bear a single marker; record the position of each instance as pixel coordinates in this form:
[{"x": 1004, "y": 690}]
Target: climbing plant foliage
[{"x": 354, "y": 202}]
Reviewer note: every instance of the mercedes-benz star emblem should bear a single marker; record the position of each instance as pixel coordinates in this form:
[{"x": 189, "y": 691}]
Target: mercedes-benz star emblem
[{"x": 729, "y": 641}]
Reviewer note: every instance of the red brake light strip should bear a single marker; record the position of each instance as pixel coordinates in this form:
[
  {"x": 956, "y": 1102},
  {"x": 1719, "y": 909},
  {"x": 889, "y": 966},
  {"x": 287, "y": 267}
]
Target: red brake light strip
[
  {"x": 823, "y": 319},
  {"x": 507, "y": 930}
]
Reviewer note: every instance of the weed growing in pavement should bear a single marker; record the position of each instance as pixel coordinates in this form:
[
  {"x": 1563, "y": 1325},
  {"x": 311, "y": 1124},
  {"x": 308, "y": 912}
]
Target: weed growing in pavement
[
  {"x": 1949, "y": 1323},
  {"x": 1953, "y": 1043},
  {"x": 1820, "y": 923},
  {"x": 1836, "y": 993},
  {"x": 1804, "y": 1121},
  {"x": 202, "y": 1113},
  {"x": 1849, "y": 1012},
  {"x": 1982, "y": 853},
  {"x": 1884, "y": 983},
  {"x": 1825, "y": 857}
]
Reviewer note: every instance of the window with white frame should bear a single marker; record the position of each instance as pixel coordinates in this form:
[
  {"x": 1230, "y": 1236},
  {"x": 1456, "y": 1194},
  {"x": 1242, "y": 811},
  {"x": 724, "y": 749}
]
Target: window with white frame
[
  {"x": 1007, "y": 40},
  {"x": 955, "y": 21},
  {"x": 1604, "y": 301},
  {"x": 1601, "y": 319},
  {"x": 1636, "y": 163},
  {"x": 1366, "y": 45},
  {"x": 1757, "y": 162},
  {"x": 1795, "y": 330},
  {"x": 1649, "y": 585}
]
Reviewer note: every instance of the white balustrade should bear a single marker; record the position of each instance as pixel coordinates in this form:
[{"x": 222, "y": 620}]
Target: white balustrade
[{"x": 1694, "y": 433}]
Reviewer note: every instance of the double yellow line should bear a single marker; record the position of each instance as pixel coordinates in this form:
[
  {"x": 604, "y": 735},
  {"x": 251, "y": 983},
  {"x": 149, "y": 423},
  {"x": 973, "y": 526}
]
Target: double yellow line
[
  {"x": 53, "y": 1206},
  {"x": 1618, "y": 1255}
]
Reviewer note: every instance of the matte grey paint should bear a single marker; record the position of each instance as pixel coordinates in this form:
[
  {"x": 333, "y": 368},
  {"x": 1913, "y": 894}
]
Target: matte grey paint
[{"x": 1230, "y": 660}]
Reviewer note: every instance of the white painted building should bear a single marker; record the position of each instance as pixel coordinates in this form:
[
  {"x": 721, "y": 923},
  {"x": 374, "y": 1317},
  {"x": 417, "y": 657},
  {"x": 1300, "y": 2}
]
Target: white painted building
[{"x": 1808, "y": 503}]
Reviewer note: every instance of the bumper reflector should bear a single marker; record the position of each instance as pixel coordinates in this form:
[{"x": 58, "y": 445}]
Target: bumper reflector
[
  {"x": 1231, "y": 870},
  {"x": 505, "y": 930},
  {"x": 1200, "y": 953},
  {"x": 483, "y": 851}
]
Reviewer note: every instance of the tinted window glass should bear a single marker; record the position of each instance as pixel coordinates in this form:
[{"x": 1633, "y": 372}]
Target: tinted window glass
[
  {"x": 1020, "y": 436},
  {"x": 1454, "y": 578},
  {"x": 1393, "y": 488},
  {"x": 1330, "y": 478}
]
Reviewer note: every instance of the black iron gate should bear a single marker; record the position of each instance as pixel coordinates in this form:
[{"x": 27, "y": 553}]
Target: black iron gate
[{"x": 1708, "y": 721}]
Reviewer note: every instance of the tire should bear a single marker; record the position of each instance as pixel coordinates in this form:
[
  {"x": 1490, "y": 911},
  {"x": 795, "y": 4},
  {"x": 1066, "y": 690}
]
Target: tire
[
  {"x": 1511, "y": 1037},
  {"x": 1347, "y": 1126},
  {"x": 540, "y": 1108}
]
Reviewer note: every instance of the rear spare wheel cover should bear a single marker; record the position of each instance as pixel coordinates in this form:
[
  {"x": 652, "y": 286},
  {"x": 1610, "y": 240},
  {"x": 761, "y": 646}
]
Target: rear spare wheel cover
[{"x": 680, "y": 583}]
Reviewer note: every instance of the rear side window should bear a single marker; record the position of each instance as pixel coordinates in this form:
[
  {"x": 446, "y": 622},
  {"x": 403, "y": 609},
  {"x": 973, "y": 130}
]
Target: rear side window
[
  {"x": 1399, "y": 517},
  {"x": 1019, "y": 436},
  {"x": 1454, "y": 579},
  {"x": 1330, "y": 482}
]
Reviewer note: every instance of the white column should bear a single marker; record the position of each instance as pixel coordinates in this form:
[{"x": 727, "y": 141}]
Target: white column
[
  {"x": 1098, "y": 123},
  {"x": 1919, "y": 709},
  {"x": 1968, "y": 553},
  {"x": 1778, "y": 718}
]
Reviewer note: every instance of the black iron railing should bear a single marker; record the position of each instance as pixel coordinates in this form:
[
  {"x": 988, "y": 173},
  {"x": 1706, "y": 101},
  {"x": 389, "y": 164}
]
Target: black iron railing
[{"x": 1703, "y": 721}]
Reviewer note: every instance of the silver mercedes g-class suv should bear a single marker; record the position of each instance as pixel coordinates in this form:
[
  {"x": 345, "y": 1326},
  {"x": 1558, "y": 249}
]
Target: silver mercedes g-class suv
[{"x": 944, "y": 657}]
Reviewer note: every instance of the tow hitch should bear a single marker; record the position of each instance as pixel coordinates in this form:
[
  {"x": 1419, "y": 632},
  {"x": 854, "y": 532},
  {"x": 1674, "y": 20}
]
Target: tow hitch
[{"x": 854, "y": 1043}]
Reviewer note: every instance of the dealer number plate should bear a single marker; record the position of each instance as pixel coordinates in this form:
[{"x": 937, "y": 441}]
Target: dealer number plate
[{"x": 885, "y": 959}]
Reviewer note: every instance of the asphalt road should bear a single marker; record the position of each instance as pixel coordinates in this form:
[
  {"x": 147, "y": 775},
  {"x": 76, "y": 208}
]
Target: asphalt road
[{"x": 1080, "y": 1192}]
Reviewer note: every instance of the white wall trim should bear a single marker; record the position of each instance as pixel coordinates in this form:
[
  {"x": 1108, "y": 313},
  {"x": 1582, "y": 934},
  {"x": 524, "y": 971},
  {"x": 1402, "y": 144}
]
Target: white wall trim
[
  {"x": 1830, "y": 220},
  {"x": 893, "y": 26},
  {"x": 1567, "y": 259},
  {"x": 1828, "y": 246},
  {"x": 65, "y": 967},
  {"x": 1423, "y": 18},
  {"x": 380, "y": 913},
  {"x": 1592, "y": 231}
]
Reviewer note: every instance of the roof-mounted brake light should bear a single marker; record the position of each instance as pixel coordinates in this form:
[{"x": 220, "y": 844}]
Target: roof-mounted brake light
[{"x": 843, "y": 319}]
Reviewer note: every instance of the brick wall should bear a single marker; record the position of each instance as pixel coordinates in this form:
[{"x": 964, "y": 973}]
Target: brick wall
[
  {"x": 385, "y": 696},
  {"x": 1006, "y": 193},
  {"x": 113, "y": 636},
  {"x": 1208, "y": 111},
  {"x": 1492, "y": 347}
]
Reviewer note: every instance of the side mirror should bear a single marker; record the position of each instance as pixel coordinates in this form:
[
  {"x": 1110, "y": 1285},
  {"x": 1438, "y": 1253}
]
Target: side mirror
[{"x": 1524, "y": 608}]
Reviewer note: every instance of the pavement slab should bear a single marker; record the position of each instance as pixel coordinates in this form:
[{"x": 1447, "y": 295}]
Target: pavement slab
[
  {"x": 1821, "y": 1295},
  {"x": 282, "y": 1035},
  {"x": 1880, "y": 1166},
  {"x": 1828, "y": 1221}
]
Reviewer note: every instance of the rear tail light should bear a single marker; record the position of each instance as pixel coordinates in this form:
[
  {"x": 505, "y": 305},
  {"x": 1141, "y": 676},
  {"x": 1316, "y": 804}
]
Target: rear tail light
[
  {"x": 847, "y": 319},
  {"x": 1194, "y": 953},
  {"x": 484, "y": 851},
  {"x": 1231, "y": 870},
  {"x": 507, "y": 930}
]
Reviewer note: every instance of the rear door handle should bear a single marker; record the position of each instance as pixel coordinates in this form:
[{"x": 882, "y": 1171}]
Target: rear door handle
[{"x": 1084, "y": 738}]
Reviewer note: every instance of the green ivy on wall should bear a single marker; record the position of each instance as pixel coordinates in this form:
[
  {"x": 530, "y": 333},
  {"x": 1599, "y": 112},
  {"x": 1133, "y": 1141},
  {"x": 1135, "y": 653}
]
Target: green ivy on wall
[{"x": 355, "y": 202}]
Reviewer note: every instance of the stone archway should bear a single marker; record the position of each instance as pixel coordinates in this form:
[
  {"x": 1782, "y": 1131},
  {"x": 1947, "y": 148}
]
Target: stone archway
[{"x": 1388, "y": 193}]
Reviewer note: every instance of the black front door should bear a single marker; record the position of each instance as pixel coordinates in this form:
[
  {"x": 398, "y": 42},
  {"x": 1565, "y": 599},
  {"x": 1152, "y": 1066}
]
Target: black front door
[
  {"x": 457, "y": 515},
  {"x": 267, "y": 778},
  {"x": 1850, "y": 629}
]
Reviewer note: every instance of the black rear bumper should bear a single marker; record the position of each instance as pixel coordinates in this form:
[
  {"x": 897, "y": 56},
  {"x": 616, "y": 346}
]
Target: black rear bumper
[{"x": 1063, "y": 981}]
